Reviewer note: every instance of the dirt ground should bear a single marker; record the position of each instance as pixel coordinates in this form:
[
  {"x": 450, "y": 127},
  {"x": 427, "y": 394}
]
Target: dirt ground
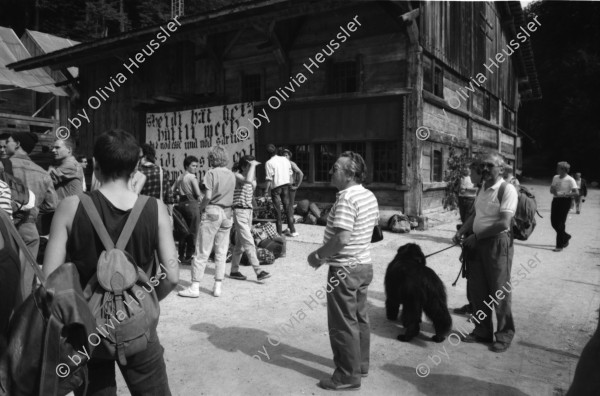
[{"x": 271, "y": 338}]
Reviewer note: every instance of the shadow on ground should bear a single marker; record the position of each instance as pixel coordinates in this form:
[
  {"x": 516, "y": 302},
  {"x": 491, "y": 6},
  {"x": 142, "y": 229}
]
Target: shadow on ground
[
  {"x": 250, "y": 341},
  {"x": 445, "y": 384}
]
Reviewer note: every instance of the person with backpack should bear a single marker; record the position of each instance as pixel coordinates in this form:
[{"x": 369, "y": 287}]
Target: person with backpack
[
  {"x": 491, "y": 238},
  {"x": 564, "y": 188},
  {"x": 109, "y": 234}
]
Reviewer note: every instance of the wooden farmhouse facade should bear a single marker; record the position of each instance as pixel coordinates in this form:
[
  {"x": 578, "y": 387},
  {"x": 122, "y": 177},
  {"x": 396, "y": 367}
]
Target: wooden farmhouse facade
[{"x": 395, "y": 81}]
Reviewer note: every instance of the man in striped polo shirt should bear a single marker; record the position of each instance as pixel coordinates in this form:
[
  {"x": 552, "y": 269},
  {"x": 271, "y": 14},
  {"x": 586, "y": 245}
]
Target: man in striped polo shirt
[{"x": 346, "y": 248}]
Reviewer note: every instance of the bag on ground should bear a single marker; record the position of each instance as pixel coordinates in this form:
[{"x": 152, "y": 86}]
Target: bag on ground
[{"x": 399, "y": 224}]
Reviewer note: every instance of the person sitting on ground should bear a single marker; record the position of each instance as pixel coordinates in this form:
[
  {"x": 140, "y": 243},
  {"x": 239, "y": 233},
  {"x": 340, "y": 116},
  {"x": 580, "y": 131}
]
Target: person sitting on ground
[
  {"x": 66, "y": 173},
  {"x": 242, "y": 217},
  {"x": 216, "y": 222},
  {"x": 582, "y": 188},
  {"x": 189, "y": 193},
  {"x": 72, "y": 234}
]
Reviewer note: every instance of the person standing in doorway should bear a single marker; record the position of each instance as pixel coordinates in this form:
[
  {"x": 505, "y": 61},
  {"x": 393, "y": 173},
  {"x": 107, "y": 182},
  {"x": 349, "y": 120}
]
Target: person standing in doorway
[
  {"x": 564, "y": 188},
  {"x": 278, "y": 171}
]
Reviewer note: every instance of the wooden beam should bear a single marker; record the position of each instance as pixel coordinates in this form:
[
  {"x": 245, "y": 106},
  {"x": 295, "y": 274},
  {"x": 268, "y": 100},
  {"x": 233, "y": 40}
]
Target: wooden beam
[
  {"x": 231, "y": 43},
  {"x": 19, "y": 119}
]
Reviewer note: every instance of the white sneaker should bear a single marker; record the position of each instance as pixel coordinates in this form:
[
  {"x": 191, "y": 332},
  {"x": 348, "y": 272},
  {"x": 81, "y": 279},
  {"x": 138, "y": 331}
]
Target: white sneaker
[
  {"x": 189, "y": 292},
  {"x": 294, "y": 234},
  {"x": 217, "y": 289}
]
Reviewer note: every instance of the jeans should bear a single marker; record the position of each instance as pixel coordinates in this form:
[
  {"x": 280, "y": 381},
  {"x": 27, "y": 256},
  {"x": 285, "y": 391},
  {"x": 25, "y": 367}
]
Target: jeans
[
  {"x": 215, "y": 227},
  {"x": 558, "y": 218},
  {"x": 145, "y": 374},
  {"x": 244, "y": 242},
  {"x": 489, "y": 274},
  {"x": 281, "y": 195},
  {"x": 349, "y": 332}
]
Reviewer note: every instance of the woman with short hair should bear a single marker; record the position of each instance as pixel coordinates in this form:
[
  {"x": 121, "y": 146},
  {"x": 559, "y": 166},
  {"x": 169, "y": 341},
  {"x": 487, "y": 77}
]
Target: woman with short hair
[
  {"x": 215, "y": 224},
  {"x": 189, "y": 193}
]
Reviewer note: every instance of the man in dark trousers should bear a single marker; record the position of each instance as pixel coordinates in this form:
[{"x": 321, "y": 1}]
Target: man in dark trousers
[
  {"x": 279, "y": 171},
  {"x": 489, "y": 274}
]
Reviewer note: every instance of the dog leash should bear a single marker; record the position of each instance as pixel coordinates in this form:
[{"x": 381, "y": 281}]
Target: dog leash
[{"x": 439, "y": 251}]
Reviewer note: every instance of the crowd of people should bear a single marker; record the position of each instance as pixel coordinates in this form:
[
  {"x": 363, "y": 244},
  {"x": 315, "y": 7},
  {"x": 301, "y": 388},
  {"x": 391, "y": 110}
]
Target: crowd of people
[{"x": 123, "y": 170}]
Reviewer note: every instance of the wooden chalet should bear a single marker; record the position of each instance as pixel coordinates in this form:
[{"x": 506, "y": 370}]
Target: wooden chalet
[
  {"x": 396, "y": 74},
  {"x": 33, "y": 100}
]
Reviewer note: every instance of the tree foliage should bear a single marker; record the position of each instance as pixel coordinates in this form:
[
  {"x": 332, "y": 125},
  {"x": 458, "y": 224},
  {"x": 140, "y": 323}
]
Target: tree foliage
[
  {"x": 566, "y": 123},
  {"x": 458, "y": 162}
]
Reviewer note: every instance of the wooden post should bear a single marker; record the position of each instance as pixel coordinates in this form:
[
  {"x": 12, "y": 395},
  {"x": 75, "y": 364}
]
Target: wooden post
[{"x": 413, "y": 197}]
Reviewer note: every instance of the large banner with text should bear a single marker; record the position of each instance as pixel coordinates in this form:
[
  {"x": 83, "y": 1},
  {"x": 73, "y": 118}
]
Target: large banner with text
[{"x": 175, "y": 135}]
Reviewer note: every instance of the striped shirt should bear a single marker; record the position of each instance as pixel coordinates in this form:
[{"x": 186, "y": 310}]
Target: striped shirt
[
  {"x": 242, "y": 196},
  {"x": 355, "y": 210},
  {"x": 5, "y": 198}
]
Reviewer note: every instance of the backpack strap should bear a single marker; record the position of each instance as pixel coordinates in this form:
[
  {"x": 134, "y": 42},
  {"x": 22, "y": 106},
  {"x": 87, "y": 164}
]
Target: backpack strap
[
  {"x": 92, "y": 212},
  {"x": 501, "y": 191},
  {"x": 131, "y": 222},
  {"x": 96, "y": 220}
]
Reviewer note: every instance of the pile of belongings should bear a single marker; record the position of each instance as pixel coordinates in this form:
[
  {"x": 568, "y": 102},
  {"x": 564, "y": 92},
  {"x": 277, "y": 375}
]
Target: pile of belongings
[
  {"x": 269, "y": 244},
  {"x": 309, "y": 213}
]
